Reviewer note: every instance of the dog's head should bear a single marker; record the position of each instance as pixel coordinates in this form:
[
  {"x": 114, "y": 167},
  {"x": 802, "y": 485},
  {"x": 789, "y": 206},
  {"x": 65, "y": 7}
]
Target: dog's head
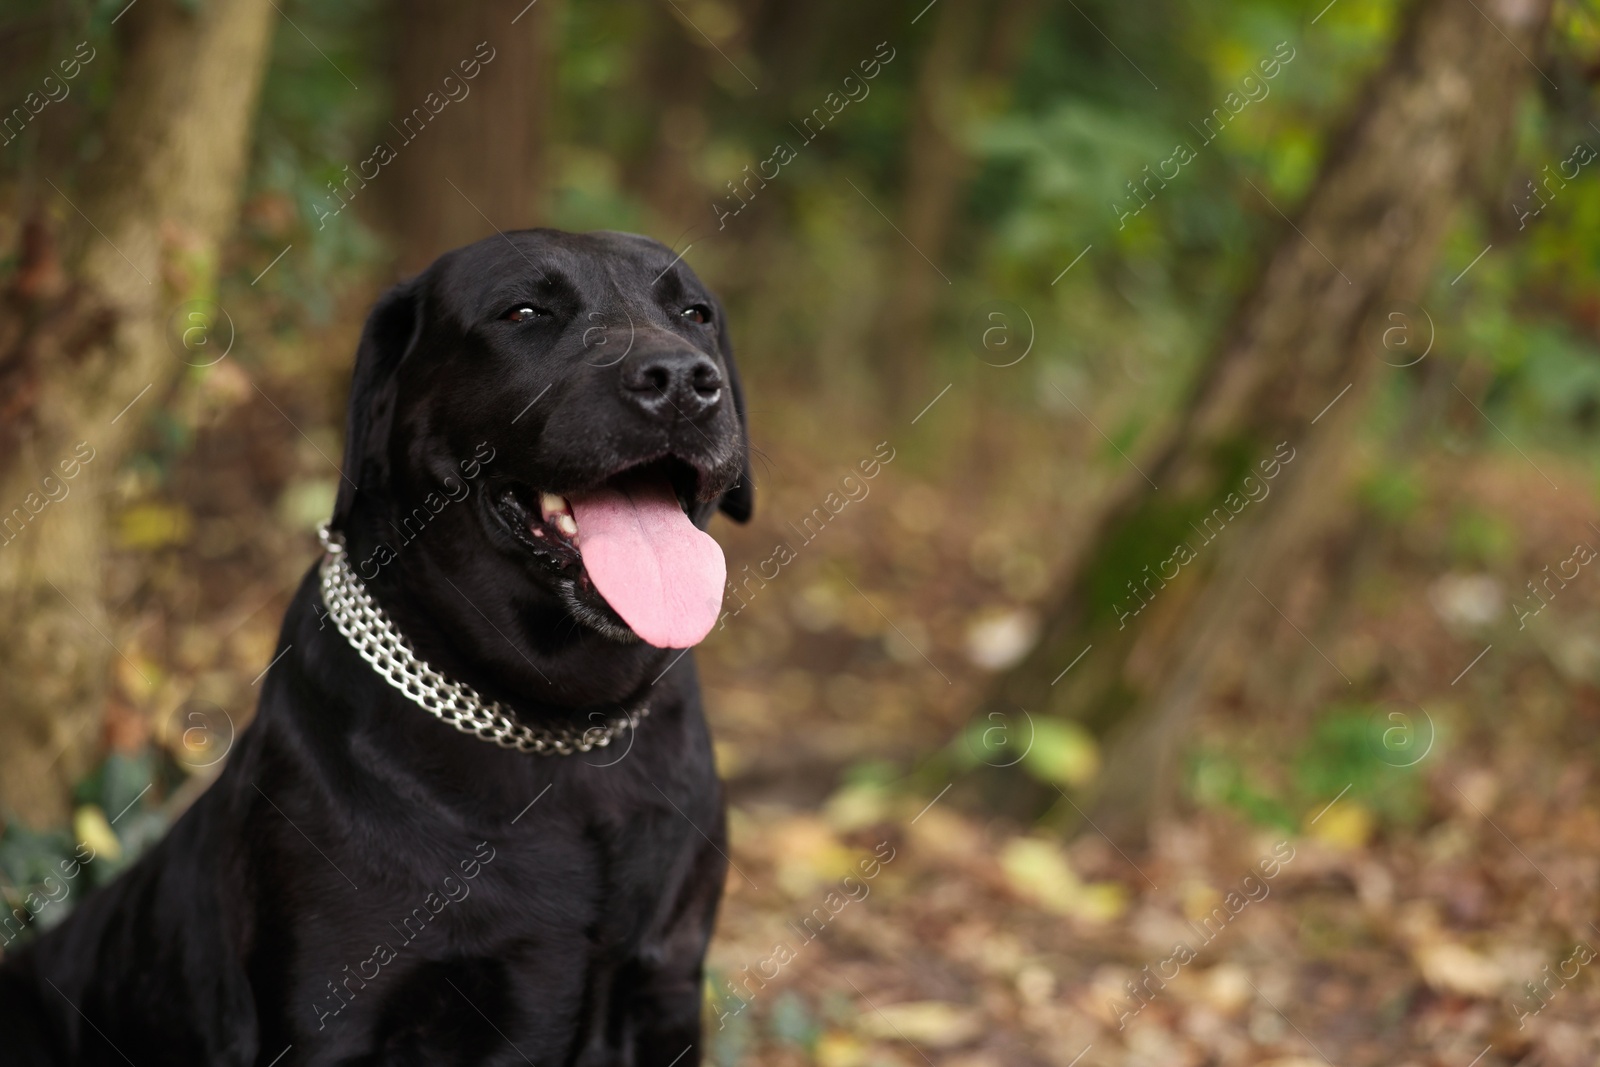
[{"x": 541, "y": 426}]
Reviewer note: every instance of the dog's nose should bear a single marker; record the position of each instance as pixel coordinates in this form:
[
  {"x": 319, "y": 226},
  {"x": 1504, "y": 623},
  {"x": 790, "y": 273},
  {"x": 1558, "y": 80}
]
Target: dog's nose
[{"x": 673, "y": 384}]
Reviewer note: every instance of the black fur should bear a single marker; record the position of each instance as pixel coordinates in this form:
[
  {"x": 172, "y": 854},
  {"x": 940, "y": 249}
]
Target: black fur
[{"x": 543, "y": 909}]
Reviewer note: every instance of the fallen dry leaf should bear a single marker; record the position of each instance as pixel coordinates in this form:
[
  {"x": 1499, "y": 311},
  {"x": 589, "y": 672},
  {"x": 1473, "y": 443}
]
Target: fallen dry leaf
[
  {"x": 933, "y": 1023},
  {"x": 1455, "y": 968}
]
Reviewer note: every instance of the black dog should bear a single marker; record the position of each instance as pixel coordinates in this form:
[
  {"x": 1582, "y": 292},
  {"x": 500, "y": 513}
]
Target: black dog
[{"x": 541, "y": 425}]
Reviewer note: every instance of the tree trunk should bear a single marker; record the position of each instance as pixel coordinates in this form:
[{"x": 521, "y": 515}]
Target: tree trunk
[
  {"x": 672, "y": 83},
  {"x": 146, "y": 227},
  {"x": 936, "y": 169},
  {"x": 961, "y": 64},
  {"x": 1367, "y": 235},
  {"x": 492, "y": 143}
]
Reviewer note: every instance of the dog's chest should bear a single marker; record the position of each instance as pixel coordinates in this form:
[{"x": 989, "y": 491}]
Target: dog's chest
[{"x": 534, "y": 924}]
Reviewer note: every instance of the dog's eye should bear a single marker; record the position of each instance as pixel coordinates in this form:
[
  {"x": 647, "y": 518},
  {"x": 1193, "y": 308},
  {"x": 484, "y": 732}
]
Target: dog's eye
[
  {"x": 698, "y": 314},
  {"x": 525, "y": 312}
]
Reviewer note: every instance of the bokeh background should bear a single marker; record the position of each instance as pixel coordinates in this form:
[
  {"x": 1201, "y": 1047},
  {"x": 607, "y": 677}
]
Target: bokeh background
[{"x": 1309, "y": 289}]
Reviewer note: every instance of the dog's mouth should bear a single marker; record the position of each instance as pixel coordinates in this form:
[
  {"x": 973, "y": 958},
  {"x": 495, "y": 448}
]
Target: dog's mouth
[{"x": 630, "y": 540}]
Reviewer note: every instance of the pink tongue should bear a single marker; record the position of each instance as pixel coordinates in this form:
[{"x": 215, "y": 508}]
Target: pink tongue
[{"x": 654, "y": 567}]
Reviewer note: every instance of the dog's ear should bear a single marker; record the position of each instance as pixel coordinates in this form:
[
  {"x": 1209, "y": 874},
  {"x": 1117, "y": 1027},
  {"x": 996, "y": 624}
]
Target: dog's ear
[
  {"x": 391, "y": 331},
  {"x": 740, "y": 501}
]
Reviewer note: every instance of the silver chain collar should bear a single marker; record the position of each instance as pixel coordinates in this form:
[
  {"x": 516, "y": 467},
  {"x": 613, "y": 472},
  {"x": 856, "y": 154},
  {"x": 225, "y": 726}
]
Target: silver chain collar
[{"x": 373, "y": 634}]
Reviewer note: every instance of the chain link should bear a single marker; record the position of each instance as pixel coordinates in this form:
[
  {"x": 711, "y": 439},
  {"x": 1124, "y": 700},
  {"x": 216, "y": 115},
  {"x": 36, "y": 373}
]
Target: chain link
[{"x": 371, "y": 633}]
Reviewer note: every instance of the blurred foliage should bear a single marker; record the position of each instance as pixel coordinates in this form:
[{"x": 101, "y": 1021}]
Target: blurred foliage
[
  {"x": 44, "y": 874},
  {"x": 1363, "y": 755}
]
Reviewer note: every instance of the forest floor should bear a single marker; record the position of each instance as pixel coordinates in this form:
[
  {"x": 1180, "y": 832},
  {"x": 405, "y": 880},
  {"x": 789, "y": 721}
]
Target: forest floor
[
  {"x": 1309, "y": 898},
  {"x": 1351, "y": 880}
]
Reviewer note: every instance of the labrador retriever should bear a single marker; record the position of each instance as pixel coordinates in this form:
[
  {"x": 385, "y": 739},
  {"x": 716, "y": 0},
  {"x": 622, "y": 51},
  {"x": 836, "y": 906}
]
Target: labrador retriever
[{"x": 475, "y": 819}]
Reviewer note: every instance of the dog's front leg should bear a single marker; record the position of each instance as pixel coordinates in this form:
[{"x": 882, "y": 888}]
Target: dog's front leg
[{"x": 668, "y": 996}]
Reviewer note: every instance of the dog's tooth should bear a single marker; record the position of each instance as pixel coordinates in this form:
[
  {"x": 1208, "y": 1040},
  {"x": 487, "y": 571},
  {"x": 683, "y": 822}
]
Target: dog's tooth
[
  {"x": 566, "y": 524},
  {"x": 551, "y": 504}
]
